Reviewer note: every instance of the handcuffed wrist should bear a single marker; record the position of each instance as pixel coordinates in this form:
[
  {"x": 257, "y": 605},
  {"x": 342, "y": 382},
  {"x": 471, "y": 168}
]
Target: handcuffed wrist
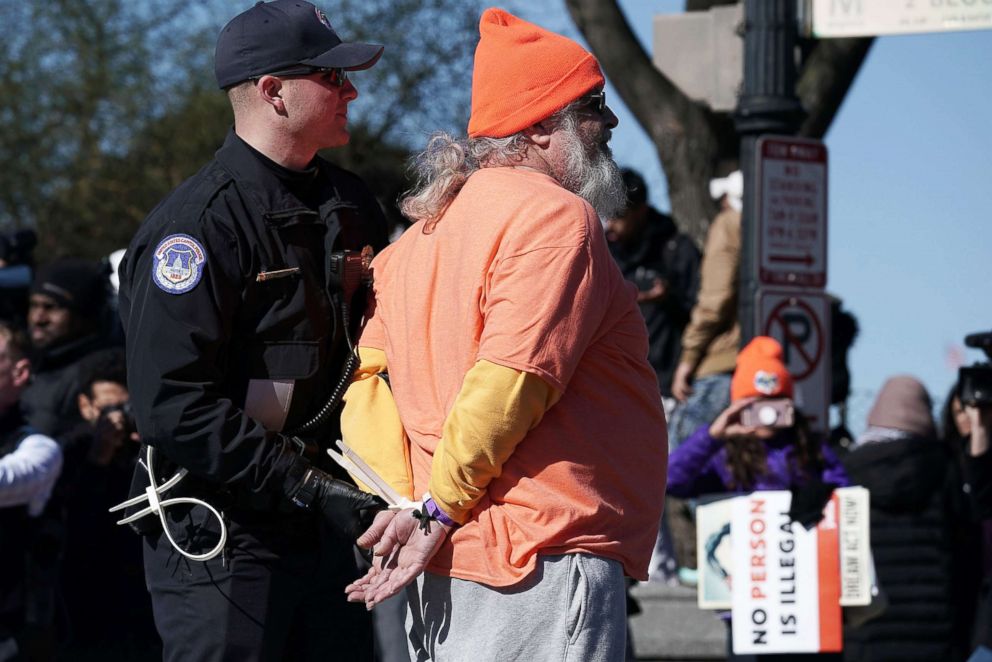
[{"x": 434, "y": 510}]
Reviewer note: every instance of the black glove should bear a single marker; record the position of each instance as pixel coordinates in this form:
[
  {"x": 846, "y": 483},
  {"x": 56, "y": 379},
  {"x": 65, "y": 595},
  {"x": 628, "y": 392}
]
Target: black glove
[{"x": 346, "y": 509}]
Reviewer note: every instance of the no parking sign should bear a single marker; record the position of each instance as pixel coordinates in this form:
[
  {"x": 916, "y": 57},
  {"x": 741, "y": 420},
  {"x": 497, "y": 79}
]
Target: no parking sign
[{"x": 800, "y": 321}]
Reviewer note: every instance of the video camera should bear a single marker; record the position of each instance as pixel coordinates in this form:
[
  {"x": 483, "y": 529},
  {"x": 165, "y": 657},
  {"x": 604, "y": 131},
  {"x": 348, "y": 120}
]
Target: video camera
[{"x": 975, "y": 381}]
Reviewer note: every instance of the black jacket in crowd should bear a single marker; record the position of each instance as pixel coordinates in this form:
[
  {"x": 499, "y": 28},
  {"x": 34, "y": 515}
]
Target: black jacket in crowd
[
  {"x": 16, "y": 532},
  {"x": 924, "y": 544},
  {"x": 101, "y": 558},
  {"x": 978, "y": 471},
  {"x": 661, "y": 251},
  {"x": 50, "y": 401},
  {"x": 192, "y": 354}
]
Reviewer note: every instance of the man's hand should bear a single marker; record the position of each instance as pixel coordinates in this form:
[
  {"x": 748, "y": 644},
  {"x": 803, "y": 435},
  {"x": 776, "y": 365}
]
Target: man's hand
[
  {"x": 656, "y": 294},
  {"x": 681, "y": 387},
  {"x": 346, "y": 509},
  {"x": 402, "y": 551}
]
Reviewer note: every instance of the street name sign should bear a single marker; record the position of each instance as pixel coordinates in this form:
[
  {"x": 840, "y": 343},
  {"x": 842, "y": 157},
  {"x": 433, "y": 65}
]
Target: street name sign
[
  {"x": 862, "y": 18},
  {"x": 792, "y": 211}
]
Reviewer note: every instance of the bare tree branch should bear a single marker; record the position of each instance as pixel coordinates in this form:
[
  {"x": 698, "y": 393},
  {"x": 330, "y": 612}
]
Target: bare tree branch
[
  {"x": 827, "y": 75},
  {"x": 682, "y": 130},
  {"x": 703, "y": 5},
  {"x": 692, "y": 142}
]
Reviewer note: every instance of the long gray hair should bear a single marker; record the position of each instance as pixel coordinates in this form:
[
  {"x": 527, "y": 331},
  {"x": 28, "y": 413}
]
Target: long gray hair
[{"x": 446, "y": 164}]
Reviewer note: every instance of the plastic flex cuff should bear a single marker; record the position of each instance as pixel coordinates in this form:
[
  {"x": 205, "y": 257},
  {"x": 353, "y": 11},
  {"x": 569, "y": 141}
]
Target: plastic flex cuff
[
  {"x": 353, "y": 464},
  {"x": 157, "y": 505}
]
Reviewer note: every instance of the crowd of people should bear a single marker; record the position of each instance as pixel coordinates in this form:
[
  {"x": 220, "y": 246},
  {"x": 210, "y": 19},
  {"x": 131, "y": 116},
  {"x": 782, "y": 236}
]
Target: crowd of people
[
  {"x": 69, "y": 451},
  {"x": 513, "y": 371}
]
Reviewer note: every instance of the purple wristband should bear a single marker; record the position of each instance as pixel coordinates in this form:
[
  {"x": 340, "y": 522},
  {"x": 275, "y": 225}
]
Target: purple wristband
[{"x": 435, "y": 511}]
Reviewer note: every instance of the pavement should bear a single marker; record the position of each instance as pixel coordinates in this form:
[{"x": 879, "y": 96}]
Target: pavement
[{"x": 671, "y": 627}]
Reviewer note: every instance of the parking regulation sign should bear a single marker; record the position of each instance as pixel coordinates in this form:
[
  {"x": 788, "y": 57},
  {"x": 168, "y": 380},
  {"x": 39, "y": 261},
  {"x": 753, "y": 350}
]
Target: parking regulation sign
[
  {"x": 792, "y": 212},
  {"x": 800, "y": 322}
]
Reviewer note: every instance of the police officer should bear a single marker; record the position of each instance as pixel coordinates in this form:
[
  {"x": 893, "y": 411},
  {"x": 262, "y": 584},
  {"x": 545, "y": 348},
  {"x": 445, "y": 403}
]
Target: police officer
[{"x": 239, "y": 322}]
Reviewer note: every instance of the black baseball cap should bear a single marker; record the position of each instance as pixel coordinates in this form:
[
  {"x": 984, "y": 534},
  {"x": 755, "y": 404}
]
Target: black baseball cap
[{"x": 277, "y": 35}]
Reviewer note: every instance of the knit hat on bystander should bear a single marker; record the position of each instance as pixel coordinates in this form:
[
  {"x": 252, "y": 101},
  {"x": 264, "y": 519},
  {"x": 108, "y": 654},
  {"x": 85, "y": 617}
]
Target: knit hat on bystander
[
  {"x": 73, "y": 283},
  {"x": 903, "y": 404},
  {"x": 524, "y": 74},
  {"x": 760, "y": 371}
]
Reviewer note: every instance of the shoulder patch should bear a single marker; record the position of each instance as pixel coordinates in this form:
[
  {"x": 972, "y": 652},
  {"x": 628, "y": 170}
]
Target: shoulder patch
[{"x": 178, "y": 263}]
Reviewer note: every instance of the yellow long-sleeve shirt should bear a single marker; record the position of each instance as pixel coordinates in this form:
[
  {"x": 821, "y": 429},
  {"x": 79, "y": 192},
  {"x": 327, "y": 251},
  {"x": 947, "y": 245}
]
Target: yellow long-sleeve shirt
[{"x": 494, "y": 410}]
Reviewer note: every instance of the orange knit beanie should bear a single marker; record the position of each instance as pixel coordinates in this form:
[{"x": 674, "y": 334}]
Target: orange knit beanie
[
  {"x": 524, "y": 74},
  {"x": 760, "y": 371}
]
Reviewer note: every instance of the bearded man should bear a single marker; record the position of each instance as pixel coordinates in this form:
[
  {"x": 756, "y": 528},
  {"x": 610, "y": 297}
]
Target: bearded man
[{"x": 520, "y": 405}]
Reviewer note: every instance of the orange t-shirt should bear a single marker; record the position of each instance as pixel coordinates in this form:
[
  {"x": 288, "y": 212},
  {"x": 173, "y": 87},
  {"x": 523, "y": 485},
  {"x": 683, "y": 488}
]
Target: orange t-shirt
[{"x": 517, "y": 272}]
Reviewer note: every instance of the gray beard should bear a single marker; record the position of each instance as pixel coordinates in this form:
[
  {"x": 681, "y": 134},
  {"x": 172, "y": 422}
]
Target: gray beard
[{"x": 594, "y": 177}]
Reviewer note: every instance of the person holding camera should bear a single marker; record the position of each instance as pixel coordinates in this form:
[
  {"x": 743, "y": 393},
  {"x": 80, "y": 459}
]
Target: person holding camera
[
  {"x": 972, "y": 413},
  {"x": 760, "y": 442},
  {"x": 967, "y": 421},
  {"x": 924, "y": 541},
  {"x": 101, "y": 454},
  {"x": 664, "y": 265}
]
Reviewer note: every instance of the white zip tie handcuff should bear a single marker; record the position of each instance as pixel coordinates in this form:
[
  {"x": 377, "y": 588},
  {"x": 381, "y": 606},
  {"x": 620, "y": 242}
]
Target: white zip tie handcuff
[
  {"x": 348, "y": 459},
  {"x": 158, "y": 505}
]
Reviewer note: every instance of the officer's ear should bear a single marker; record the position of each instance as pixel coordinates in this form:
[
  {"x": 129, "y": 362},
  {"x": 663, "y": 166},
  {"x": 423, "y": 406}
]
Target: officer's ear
[{"x": 270, "y": 91}]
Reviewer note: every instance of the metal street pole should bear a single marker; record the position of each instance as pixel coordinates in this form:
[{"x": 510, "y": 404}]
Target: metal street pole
[{"x": 768, "y": 104}]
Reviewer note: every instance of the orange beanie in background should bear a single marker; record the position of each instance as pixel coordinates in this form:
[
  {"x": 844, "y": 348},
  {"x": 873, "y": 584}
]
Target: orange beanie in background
[
  {"x": 524, "y": 74},
  {"x": 760, "y": 371}
]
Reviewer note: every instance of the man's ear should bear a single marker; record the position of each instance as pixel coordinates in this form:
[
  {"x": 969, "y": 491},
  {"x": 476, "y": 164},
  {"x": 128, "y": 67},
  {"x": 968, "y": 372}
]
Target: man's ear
[
  {"x": 540, "y": 133},
  {"x": 22, "y": 373},
  {"x": 270, "y": 90},
  {"x": 86, "y": 408}
]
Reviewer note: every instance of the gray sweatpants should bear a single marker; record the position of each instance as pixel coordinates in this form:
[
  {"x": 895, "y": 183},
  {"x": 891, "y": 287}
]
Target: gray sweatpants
[{"x": 572, "y": 609}]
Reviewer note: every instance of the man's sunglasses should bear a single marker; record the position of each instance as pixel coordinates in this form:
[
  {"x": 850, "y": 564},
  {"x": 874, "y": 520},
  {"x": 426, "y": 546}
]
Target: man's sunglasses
[
  {"x": 596, "y": 102},
  {"x": 338, "y": 77}
]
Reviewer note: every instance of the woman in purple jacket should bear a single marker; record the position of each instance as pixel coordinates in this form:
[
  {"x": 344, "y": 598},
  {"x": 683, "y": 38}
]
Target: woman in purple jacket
[
  {"x": 747, "y": 448},
  {"x": 759, "y": 442}
]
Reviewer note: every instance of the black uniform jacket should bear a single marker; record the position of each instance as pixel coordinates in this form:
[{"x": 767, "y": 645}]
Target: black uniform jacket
[
  {"x": 14, "y": 526},
  {"x": 206, "y": 337}
]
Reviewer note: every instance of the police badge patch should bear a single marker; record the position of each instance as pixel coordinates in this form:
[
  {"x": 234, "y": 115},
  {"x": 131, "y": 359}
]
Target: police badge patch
[
  {"x": 179, "y": 263},
  {"x": 765, "y": 382}
]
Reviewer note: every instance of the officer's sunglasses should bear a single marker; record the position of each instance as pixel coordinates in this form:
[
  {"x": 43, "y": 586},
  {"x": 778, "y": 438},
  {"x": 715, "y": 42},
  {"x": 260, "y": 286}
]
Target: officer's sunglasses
[
  {"x": 338, "y": 77},
  {"x": 595, "y": 102}
]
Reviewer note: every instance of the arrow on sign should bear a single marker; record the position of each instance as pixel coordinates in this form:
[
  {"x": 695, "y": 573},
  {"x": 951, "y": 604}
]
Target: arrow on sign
[{"x": 801, "y": 259}]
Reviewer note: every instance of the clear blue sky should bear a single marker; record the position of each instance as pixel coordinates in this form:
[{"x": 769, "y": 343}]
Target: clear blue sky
[{"x": 910, "y": 221}]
